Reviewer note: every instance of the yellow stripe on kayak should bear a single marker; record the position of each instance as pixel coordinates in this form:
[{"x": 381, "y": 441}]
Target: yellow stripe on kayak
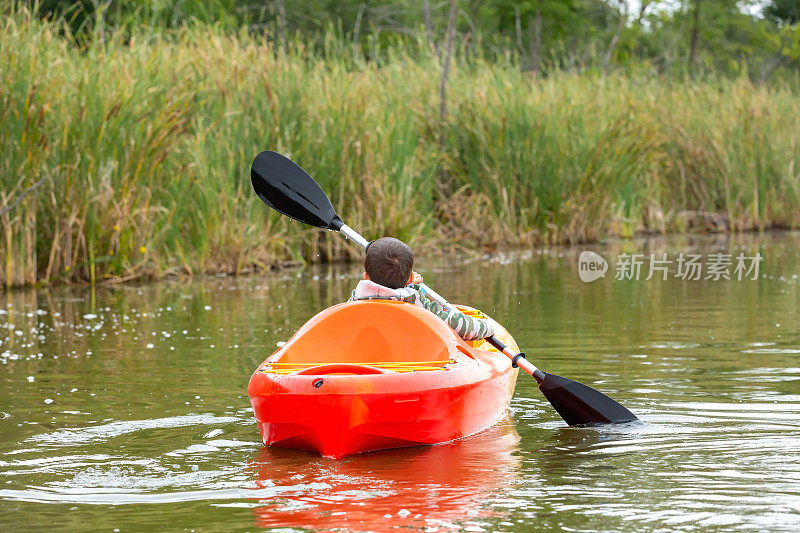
[
  {"x": 378, "y": 364},
  {"x": 396, "y": 366}
]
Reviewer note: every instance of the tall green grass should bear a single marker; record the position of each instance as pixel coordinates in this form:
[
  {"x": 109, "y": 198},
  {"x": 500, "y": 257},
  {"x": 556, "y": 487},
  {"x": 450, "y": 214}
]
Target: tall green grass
[
  {"x": 144, "y": 140},
  {"x": 574, "y": 158}
]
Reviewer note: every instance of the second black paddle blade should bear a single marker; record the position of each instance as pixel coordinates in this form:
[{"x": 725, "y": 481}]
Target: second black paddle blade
[
  {"x": 581, "y": 405},
  {"x": 288, "y": 189}
]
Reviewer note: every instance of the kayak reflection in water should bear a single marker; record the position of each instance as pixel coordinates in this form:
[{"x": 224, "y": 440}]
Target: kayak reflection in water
[
  {"x": 413, "y": 488},
  {"x": 389, "y": 275}
]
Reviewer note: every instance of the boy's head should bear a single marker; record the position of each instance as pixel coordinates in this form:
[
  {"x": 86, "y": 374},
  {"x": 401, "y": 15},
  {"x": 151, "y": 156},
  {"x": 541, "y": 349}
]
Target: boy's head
[{"x": 389, "y": 262}]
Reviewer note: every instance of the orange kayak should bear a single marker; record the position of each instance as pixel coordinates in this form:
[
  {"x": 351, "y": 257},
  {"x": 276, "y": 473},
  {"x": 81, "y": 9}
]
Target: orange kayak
[{"x": 371, "y": 375}]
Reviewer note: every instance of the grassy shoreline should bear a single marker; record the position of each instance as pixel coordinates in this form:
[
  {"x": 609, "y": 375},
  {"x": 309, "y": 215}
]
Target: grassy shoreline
[{"x": 144, "y": 143}]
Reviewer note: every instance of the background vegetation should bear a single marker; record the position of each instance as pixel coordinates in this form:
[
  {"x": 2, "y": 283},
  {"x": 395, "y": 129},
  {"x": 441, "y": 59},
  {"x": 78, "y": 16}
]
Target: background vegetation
[{"x": 127, "y": 131}]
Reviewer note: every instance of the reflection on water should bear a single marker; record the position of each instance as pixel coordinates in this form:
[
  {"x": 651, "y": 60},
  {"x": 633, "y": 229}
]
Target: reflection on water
[
  {"x": 422, "y": 487},
  {"x": 126, "y": 407}
]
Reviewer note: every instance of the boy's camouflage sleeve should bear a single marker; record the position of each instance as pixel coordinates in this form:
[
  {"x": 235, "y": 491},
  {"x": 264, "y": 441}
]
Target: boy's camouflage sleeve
[{"x": 466, "y": 327}]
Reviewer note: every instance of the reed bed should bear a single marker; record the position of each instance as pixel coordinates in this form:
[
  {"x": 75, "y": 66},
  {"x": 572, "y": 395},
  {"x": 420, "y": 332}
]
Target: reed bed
[{"x": 140, "y": 145}]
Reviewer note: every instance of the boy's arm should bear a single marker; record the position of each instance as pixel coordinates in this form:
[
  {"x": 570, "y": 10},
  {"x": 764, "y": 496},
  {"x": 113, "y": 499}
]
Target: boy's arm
[{"x": 466, "y": 327}]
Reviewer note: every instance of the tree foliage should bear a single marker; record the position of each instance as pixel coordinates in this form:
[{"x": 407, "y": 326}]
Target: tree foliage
[
  {"x": 725, "y": 37},
  {"x": 783, "y": 11}
]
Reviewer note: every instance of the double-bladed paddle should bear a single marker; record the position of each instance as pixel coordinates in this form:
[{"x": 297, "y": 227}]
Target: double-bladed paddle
[{"x": 287, "y": 188}]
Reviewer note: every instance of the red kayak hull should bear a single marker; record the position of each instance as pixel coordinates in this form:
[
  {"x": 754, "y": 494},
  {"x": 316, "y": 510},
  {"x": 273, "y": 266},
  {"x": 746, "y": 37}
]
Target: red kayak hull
[{"x": 339, "y": 409}]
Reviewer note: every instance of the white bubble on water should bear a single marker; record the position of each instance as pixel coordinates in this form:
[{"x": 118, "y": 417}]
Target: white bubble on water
[{"x": 213, "y": 433}]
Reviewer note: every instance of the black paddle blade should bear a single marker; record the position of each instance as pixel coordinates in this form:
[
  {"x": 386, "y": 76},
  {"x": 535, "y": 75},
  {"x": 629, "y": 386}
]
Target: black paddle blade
[
  {"x": 580, "y": 405},
  {"x": 288, "y": 189}
]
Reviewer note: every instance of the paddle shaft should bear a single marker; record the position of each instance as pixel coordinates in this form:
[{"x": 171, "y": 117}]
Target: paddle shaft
[{"x": 517, "y": 359}]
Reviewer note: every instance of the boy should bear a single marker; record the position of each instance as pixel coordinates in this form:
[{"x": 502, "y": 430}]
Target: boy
[{"x": 389, "y": 276}]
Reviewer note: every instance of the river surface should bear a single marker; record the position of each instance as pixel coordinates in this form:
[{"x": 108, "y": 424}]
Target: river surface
[{"x": 125, "y": 408}]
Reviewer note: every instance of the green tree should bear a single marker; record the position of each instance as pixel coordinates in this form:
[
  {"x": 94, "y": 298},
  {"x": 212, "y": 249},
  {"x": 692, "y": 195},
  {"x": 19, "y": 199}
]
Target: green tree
[{"x": 783, "y": 11}]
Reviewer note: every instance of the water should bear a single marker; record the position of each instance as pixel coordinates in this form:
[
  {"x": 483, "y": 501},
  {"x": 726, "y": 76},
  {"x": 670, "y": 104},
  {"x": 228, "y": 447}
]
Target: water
[{"x": 125, "y": 407}]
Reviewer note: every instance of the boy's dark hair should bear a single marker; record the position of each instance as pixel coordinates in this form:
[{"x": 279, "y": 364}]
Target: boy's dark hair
[{"x": 389, "y": 262}]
